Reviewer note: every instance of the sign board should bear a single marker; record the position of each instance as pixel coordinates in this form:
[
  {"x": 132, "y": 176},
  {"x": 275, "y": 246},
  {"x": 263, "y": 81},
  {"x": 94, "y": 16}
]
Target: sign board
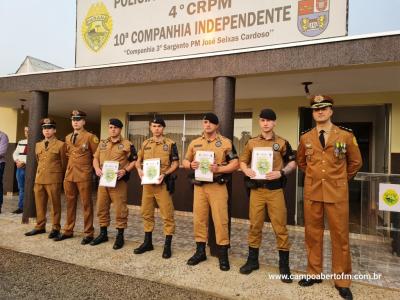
[
  {"x": 389, "y": 197},
  {"x": 137, "y": 31}
]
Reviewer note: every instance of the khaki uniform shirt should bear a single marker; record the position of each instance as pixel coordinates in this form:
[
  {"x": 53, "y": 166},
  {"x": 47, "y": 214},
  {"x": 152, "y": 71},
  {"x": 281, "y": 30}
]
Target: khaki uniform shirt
[
  {"x": 223, "y": 149},
  {"x": 165, "y": 149},
  {"x": 80, "y": 156},
  {"x": 283, "y": 152},
  {"x": 52, "y": 161},
  {"x": 122, "y": 151},
  {"x": 328, "y": 170}
]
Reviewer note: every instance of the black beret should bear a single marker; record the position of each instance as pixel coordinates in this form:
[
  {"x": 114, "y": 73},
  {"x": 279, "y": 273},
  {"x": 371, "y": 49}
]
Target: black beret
[
  {"x": 212, "y": 118},
  {"x": 159, "y": 120},
  {"x": 268, "y": 114},
  {"x": 116, "y": 123}
]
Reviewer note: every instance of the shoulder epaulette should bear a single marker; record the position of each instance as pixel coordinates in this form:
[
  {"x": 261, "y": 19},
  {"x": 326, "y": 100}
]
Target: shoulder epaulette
[
  {"x": 305, "y": 131},
  {"x": 346, "y": 129}
]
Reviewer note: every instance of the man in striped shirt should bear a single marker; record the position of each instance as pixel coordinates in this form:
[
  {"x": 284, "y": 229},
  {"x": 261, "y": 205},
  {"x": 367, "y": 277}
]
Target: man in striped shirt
[{"x": 19, "y": 157}]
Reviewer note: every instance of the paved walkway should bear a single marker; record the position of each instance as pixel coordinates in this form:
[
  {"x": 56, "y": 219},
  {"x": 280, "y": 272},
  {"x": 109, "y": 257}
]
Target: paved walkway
[
  {"x": 368, "y": 256},
  {"x": 25, "y": 276}
]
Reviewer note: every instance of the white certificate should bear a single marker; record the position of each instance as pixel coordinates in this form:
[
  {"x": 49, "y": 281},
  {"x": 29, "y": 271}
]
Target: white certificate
[
  {"x": 151, "y": 171},
  {"x": 109, "y": 177},
  {"x": 262, "y": 159},
  {"x": 205, "y": 159}
]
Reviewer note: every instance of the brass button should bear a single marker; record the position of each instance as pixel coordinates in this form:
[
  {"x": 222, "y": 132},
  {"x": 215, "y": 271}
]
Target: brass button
[
  {"x": 323, "y": 170},
  {"x": 323, "y": 179}
]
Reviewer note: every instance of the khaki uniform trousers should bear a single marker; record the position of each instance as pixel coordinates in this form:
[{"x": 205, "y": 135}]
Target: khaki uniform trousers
[
  {"x": 212, "y": 195},
  {"x": 275, "y": 201},
  {"x": 84, "y": 189},
  {"x": 164, "y": 201},
  {"x": 118, "y": 197},
  {"x": 338, "y": 220},
  {"x": 43, "y": 193}
]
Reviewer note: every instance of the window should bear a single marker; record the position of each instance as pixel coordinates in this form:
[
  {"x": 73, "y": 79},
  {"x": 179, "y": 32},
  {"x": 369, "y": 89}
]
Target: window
[{"x": 183, "y": 128}]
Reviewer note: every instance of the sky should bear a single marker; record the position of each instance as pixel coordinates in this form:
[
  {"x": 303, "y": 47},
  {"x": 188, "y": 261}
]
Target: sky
[{"x": 45, "y": 29}]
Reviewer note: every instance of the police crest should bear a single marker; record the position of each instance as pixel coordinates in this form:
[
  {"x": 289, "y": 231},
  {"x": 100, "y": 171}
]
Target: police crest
[
  {"x": 313, "y": 17},
  {"x": 97, "y": 26}
]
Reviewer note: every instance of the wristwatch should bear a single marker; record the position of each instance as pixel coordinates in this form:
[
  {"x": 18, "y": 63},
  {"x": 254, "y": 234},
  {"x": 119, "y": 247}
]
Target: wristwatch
[{"x": 282, "y": 173}]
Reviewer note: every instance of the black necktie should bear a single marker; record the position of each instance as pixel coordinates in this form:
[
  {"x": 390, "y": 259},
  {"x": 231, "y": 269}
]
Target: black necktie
[
  {"x": 322, "y": 138},
  {"x": 46, "y": 144},
  {"x": 74, "y": 138}
]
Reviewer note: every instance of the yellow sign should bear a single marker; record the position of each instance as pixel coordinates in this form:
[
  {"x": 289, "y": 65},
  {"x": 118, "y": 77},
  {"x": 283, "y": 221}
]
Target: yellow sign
[{"x": 97, "y": 27}]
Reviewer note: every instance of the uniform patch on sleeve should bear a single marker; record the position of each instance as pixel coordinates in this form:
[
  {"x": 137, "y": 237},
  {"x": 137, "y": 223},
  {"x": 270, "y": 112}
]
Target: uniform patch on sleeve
[
  {"x": 95, "y": 139},
  {"x": 355, "y": 141}
]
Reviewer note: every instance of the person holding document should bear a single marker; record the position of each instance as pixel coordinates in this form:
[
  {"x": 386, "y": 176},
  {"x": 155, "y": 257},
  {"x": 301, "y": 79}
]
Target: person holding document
[
  {"x": 211, "y": 156},
  {"x": 164, "y": 153},
  {"x": 266, "y": 160},
  {"x": 119, "y": 152}
]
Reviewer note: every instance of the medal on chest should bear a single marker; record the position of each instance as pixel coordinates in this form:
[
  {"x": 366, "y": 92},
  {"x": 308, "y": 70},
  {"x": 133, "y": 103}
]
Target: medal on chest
[{"x": 340, "y": 150}]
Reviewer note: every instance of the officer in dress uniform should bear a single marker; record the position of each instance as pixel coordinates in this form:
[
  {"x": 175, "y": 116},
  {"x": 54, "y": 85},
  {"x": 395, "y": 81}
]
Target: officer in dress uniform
[
  {"x": 165, "y": 149},
  {"x": 81, "y": 145},
  {"x": 268, "y": 191},
  {"x": 114, "y": 148},
  {"x": 330, "y": 157},
  {"x": 212, "y": 194},
  {"x": 52, "y": 161}
]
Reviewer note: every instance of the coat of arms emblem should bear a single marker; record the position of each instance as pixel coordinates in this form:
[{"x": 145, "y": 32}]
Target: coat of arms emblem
[
  {"x": 313, "y": 17},
  {"x": 97, "y": 26}
]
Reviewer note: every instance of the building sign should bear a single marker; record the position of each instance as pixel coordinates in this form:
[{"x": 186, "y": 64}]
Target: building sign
[
  {"x": 120, "y": 31},
  {"x": 389, "y": 197}
]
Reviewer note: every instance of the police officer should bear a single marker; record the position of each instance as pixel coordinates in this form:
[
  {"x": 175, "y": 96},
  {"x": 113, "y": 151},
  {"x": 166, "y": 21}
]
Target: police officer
[
  {"x": 268, "y": 191},
  {"x": 161, "y": 147},
  {"x": 52, "y": 161},
  {"x": 330, "y": 157},
  {"x": 214, "y": 194},
  {"x": 114, "y": 148},
  {"x": 81, "y": 145}
]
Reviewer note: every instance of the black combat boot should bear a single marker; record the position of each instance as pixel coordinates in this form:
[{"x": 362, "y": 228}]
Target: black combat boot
[
  {"x": 147, "y": 244},
  {"x": 199, "y": 255},
  {"x": 119, "y": 240},
  {"x": 284, "y": 269},
  {"x": 101, "y": 238},
  {"x": 251, "y": 263},
  {"x": 167, "y": 247},
  {"x": 223, "y": 258}
]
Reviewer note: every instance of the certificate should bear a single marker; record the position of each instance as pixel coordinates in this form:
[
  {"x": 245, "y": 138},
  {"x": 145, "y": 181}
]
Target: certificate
[
  {"x": 262, "y": 159},
  {"x": 205, "y": 159},
  {"x": 151, "y": 171},
  {"x": 109, "y": 177}
]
